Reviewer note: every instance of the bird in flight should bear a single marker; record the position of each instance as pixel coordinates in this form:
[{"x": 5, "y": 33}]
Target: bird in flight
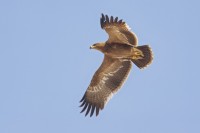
[{"x": 120, "y": 51}]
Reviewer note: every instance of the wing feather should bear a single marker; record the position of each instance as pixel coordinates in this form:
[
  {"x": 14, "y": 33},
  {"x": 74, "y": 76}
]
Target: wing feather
[
  {"x": 111, "y": 19},
  {"x": 106, "y": 81},
  {"x": 92, "y": 111},
  {"x": 118, "y": 31}
]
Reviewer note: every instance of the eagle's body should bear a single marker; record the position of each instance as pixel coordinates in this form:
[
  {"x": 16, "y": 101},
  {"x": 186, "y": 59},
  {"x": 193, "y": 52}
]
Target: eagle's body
[
  {"x": 120, "y": 50},
  {"x": 117, "y": 50}
]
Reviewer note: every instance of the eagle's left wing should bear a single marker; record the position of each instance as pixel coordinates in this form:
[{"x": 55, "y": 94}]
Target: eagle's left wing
[
  {"x": 118, "y": 31},
  {"x": 106, "y": 81}
]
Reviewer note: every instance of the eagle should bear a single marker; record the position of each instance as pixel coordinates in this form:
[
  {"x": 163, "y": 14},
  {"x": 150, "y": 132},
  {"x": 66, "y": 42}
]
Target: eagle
[{"x": 120, "y": 51}]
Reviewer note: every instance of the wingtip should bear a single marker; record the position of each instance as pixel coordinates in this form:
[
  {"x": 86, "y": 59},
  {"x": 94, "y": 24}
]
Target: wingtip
[
  {"x": 92, "y": 111},
  {"x": 102, "y": 19},
  {"x": 97, "y": 111},
  {"x": 111, "y": 19},
  {"x": 86, "y": 105},
  {"x": 82, "y": 98},
  {"x": 116, "y": 19},
  {"x": 88, "y": 110},
  {"x": 120, "y": 21},
  {"x": 83, "y": 103},
  {"x": 102, "y": 16},
  {"x": 107, "y": 19}
]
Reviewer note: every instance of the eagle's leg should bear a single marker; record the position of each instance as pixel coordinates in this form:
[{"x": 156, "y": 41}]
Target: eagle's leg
[{"x": 137, "y": 54}]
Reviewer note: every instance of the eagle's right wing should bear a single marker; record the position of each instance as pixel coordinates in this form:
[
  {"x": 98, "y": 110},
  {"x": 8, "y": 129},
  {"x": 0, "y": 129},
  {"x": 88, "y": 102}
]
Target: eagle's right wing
[
  {"x": 106, "y": 81},
  {"x": 118, "y": 31}
]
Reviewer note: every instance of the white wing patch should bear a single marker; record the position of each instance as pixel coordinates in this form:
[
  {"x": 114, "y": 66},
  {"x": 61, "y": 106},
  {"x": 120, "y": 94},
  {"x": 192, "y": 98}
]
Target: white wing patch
[
  {"x": 104, "y": 79},
  {"x": 108, "y": 98},
  {"x": 94, "y": 88},
  {"x": 112, "y": 73}
]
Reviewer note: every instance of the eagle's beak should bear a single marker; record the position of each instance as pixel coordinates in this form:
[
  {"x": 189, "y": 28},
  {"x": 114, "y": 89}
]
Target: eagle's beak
[{"x": 91, "y": 47}]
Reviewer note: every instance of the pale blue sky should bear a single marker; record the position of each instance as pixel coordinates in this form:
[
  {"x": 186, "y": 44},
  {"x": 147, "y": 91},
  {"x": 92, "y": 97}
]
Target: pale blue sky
[{"x": 46, "y": 66}]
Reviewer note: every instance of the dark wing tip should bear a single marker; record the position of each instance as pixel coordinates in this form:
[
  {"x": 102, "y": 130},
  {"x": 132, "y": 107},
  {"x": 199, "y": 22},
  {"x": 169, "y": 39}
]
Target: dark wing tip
[
  {"x": 83, "y": 103},
  {"x": 88, "y": 107},
  {"x": 97, "y": 111},
  {"x": 92, "y": 111},
  {"x": 84, "y": 107},
  {"x": 111, "y": 19},
  {"x": 106, "y": 20},
  {"x": 102, "y": 19},
  {"x": 82, "y": 98},
  {"x": 102, "y": 15},
  {"x": 116, "y": 19},
  {"x": 120, "y": 21}
]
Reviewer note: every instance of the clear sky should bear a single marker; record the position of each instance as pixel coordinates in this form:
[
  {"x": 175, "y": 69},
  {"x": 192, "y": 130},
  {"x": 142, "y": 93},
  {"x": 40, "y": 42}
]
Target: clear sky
[{"x": 46, "y": 66}]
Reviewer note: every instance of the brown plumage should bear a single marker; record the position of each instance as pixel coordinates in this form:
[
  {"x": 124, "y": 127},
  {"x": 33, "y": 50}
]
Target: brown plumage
[{"x": 120, "y": 50}]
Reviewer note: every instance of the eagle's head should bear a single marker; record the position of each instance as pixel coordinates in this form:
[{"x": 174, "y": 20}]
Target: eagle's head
[{"x": 98, "y": 46}]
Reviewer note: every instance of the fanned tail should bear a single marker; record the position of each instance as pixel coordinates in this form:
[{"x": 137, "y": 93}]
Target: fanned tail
[{"x": 146, "y": 59}]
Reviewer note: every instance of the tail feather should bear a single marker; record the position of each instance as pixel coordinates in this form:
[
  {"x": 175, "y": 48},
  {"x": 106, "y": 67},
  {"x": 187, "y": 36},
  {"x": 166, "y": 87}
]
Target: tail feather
[{"x": 147, "y": 59}]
